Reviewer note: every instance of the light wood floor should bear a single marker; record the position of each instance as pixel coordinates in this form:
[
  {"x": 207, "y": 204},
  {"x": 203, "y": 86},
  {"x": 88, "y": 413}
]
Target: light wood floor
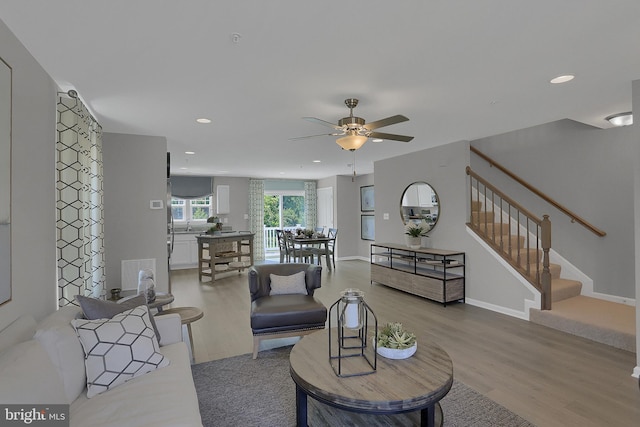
[{"x": 548, "y": 377}]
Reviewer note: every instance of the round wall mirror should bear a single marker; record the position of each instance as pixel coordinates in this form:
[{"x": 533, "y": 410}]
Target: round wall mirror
[{"x": 420, "y": 202}]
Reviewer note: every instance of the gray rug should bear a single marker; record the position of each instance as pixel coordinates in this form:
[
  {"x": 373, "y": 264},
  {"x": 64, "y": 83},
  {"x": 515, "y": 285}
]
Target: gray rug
[{"x": 240, "y": 391}]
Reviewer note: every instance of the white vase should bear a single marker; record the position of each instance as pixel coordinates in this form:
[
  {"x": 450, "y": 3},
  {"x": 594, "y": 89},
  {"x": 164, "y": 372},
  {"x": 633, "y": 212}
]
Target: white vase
[
  {"x": 394, "y": 353},
  {"x": 413, "y": 242}
]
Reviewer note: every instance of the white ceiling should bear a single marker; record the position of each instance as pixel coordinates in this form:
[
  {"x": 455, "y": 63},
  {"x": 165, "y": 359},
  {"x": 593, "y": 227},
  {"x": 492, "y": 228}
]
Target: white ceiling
[{"x": 459, "y": 69}]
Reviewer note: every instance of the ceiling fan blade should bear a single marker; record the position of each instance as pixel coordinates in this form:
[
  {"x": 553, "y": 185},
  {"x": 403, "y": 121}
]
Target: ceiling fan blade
[
  {"x": 386, "y": 122},
  {"x": 322, "y": 122},
  {"x": 313, "y": 136},
  {"x": 391, "y": 136}
]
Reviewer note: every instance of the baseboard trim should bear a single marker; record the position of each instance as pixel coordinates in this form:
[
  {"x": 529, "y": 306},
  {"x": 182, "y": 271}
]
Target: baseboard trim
[
  {"x": 636, "y": 372},
  {"x": 498, "y": 309},
  {"x": 612, "y": 298}
]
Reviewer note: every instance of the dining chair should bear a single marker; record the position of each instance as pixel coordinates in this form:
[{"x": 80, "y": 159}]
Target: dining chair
[
  {"x": 333, "y": 233},
  {"x": 301, "y": 253},
  {"x": 282, "y": 245},
  {"x": 319, "y": 230}
]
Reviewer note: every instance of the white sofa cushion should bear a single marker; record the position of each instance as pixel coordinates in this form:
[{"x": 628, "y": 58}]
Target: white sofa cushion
[
  {"x": 27, "y": 376},
  {"x": 118, "y": 349},
  {"x": 60, "y": 341},
  {"x": 21, "y": 329},
  {"x": 165, "y": 397}
]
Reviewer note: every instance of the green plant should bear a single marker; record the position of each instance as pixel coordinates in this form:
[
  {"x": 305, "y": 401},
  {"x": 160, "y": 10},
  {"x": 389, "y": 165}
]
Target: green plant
[
  {"x": 213, "y": 219},
  {"x": 417, "y": 229},
  {"x": 393, "y": 335}
]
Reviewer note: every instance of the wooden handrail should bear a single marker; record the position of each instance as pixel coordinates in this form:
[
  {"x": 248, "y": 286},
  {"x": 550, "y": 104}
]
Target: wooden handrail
[{"x": 570, "y": 214}]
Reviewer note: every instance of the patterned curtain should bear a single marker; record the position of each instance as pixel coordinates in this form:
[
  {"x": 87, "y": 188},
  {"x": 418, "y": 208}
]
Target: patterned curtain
[
  {"x": 310, "y": 204},
  {"x": 80, "y": 207},
  {"x": 256, "y": 216}
]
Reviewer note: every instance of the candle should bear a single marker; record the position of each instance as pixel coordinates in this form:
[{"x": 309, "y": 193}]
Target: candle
[{"x": 351, "y": 316}]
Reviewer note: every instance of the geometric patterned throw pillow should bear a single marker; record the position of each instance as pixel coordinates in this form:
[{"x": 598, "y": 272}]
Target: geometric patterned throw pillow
[{"x": 118, "y": 349}]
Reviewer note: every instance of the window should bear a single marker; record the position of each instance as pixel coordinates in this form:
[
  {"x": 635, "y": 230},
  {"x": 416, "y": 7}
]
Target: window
[
  {"x": 191, "y": 210},
  {"x": 284, "y": 209}
]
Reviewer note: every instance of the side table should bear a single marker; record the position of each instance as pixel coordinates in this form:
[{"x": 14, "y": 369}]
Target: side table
[{"x": 188, "y": 315}]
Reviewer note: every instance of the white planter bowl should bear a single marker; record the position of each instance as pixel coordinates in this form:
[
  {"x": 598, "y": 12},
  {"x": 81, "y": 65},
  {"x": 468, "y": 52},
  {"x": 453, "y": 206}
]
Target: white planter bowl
[{"x": 394, "y": 353}]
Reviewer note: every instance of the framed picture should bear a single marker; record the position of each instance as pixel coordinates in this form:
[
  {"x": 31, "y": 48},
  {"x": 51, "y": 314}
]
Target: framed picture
[
  {"x": 367, "y": 201},
  {"x": 367, "y": 227}
]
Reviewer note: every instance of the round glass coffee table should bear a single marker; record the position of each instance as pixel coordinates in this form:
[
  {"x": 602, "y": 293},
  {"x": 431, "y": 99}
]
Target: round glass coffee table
[{"x": 397, "y": 386}]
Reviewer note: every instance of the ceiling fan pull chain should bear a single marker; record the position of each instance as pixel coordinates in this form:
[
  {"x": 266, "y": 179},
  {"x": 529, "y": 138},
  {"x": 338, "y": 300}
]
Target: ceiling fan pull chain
[{"x": 353, "y": 178}]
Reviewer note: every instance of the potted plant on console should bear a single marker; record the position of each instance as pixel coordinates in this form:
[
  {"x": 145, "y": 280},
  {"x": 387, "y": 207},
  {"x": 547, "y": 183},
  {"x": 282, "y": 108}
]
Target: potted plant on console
[
  {"x": 396, "y": 343},
  {"x": 215, "y": 223},
  {"x": 414, "y": 232}
]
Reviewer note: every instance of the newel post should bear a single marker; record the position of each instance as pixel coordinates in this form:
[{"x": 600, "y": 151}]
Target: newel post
[{"x": 545, "y": 237}]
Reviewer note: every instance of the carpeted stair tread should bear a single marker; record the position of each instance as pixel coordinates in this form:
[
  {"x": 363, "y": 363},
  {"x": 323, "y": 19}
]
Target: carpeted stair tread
[
  {"x": 595, "y": 319},
  {"x": 554, "y": 269},
  {"x": 562, "y": 289}
]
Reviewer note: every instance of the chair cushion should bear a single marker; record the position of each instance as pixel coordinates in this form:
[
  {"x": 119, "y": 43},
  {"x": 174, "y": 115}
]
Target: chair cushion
[{"x": 286, "y": 312}]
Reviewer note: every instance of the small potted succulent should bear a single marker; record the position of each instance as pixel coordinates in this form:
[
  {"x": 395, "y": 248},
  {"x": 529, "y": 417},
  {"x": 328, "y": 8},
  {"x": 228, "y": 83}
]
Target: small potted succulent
[{"x": 396, "y": 343}]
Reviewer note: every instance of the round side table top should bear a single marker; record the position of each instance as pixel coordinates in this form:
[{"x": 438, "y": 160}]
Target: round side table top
[
  {"x": 187, "y": 314},
  {"x": 396, "y": 386},
  {"x": 161, "y": 299}
]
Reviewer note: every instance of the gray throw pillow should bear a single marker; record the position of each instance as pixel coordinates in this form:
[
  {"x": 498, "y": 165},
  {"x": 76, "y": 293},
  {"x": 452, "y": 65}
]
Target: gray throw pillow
[{"x": 94, "y": 308}]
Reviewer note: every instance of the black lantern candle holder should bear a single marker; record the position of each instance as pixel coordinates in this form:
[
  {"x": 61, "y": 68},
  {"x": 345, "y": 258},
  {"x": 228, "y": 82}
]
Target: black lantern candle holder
[{"x": 349, "y": 320}]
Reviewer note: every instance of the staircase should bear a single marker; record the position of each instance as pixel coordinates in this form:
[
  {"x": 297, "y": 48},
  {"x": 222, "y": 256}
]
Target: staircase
[{"x": 595, "y": 319}]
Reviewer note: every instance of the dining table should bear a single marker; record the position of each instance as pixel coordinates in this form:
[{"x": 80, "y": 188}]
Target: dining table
[{"x": 300, "y": 242}]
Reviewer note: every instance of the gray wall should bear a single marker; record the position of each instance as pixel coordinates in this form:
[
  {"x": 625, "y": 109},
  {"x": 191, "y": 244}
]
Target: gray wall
[
  {"x": 488, "y": 283},
  {"x": 135, "y": 173},
  {"x": 33, "y": 240},
  {"x": 238, "y": 201},
  {"x": 635, "y": 137},
  {"x": 588, "y": 170}
]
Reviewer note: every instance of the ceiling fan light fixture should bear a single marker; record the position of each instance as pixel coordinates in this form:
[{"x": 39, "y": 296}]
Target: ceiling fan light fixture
[
  {"x": 351, "y": 142},
  {"x": 621, "y": 119}
]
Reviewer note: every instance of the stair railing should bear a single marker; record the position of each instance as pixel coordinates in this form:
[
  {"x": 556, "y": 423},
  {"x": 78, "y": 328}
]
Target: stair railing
[
  {"x": 543, "y": 196},
  {"x": 529, "y": 253}
]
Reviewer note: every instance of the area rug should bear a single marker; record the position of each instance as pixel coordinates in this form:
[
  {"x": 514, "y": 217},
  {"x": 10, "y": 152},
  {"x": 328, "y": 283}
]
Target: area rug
[{"x": 240, "y": 391}]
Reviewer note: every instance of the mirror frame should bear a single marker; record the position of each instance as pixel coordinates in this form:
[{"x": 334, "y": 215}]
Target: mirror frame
[
  {"x": 437, "y": 203},
  {"x": 6, "y": 99}
]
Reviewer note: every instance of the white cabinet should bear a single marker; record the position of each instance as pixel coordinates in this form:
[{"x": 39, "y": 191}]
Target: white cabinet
[
  {"x": 222, "y": 199},
  {"x": 418, "y": 195},
  {"x": 185, "y": 251}
]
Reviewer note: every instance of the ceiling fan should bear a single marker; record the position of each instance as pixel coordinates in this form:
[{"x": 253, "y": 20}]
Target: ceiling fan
[{"x": 354, "y": 131}]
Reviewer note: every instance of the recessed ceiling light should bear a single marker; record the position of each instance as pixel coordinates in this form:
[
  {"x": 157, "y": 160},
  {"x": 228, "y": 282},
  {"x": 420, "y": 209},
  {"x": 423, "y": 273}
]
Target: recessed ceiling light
[
  {"x": 317, "y": 161},
  {"x": 189, "y": 152},
  {"x": 376, "y": 140},
  {"x": 621, "y": 119},
  {"x": 183, "y": 168},
  {"x": 281, "y": 173},
  {"x": 562, "y": 79},
  {"x": 203, "y": 120}
]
